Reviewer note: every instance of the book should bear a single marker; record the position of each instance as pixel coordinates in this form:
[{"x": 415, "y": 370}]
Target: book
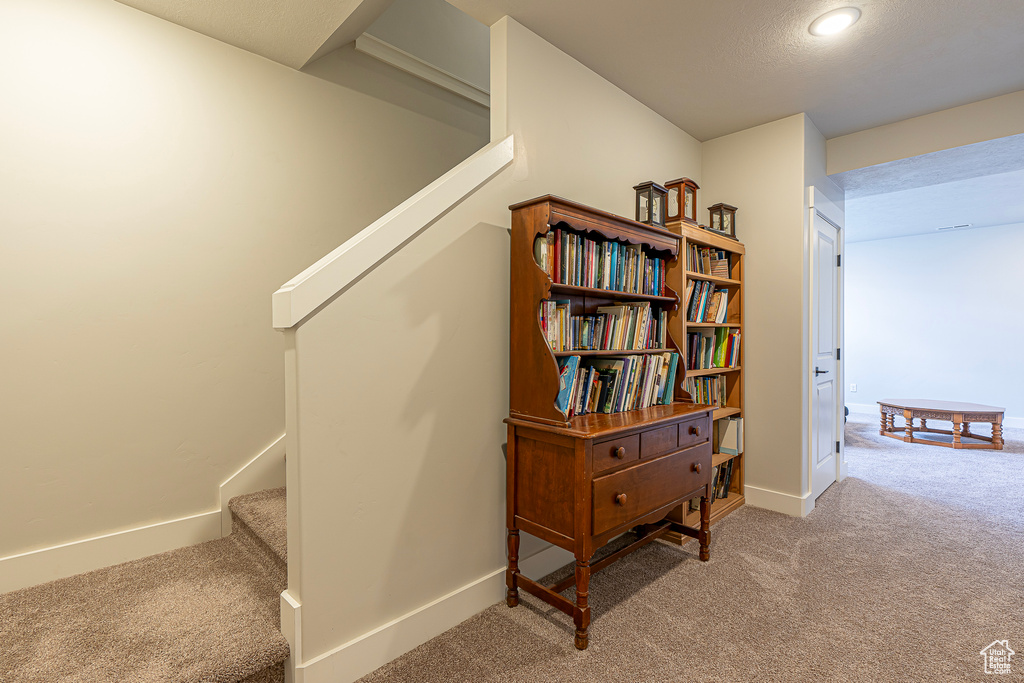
[
  {"x": 723, "y": 307},
  {"x": 669, "y": 394},
  {"x": 566, "y": 378},
  {"x": 729, "y": 440},
  {"x": 721, "y": 336}
]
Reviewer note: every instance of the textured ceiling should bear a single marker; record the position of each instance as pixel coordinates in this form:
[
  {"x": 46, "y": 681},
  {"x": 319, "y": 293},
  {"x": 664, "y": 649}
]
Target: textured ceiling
[
  {"x": 716, "y": 67},
  {"x": 984, "y": 201},
  {"x": 291, "y": 32},
  {"x": 949, "y": 165}
]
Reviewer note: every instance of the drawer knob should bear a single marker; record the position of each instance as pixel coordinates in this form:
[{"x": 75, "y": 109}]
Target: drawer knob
[
  {"x": 696, "y": 467},
  {"x": 695, "y": 430},
  {"x": 620, "y": 452},
  {"x": 620, "y": 499}
]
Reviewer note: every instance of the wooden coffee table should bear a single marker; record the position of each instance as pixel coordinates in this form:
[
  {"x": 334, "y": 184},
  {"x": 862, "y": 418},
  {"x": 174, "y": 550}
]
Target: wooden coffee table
[{"x": 960, "y": 414}]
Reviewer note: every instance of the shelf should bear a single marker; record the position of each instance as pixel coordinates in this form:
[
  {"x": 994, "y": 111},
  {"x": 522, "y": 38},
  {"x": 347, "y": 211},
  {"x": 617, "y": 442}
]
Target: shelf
[
  {"x": 690, "y": 275},
  {"x": 611, "y": 352},
  {"x": 719, "y": 509},
  {"x": 718, "y": 458},
  {"x": 709, "y": 371},
  {"x": 725, "y": 412},
  {"x": 705, "y": 238},
  {"x": 693, "y": 324},
  {"x": 608, "y": 293}
]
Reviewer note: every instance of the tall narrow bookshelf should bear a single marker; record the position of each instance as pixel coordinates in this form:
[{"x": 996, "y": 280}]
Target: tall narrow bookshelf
[
  {"x": 602, "y": 438},
  {"x": 728, "y": 401}
]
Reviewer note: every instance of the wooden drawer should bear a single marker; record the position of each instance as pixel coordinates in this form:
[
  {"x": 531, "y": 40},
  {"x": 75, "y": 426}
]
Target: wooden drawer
[
  {"x": 608, "y": 454},
  {"x": 632, "y": 493},
  {"x": 694, "y": 431},
  {"x": 658, "y": 441}
]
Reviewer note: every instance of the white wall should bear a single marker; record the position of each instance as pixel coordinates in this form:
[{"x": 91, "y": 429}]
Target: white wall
[
  {"x": 402, "y": 382},
  {"x": 937, "y": 316},
  {"x": 439, "y": 34},
  {"x": 762, "y": 172},
  {"x": 156, "y": 186}
]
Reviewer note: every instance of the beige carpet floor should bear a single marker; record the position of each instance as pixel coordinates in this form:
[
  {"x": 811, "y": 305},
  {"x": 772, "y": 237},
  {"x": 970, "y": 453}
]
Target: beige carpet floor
[
  {"x": 903, "y": 572},
  {"x": 206, "y": 613}
]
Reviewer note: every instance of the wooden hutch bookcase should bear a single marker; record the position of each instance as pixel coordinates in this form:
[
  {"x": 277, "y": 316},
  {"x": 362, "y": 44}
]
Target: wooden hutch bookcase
[
  {"x": 693, "y": 236},
  {"x": 578, "y": 481}
]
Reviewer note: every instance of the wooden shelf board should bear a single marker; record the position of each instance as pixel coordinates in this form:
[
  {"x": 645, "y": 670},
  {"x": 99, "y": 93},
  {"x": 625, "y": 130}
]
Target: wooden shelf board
[
  {"x": 612, "y": 352},
  {"x": 725, "y": 412},
  {"x": 718, "y": 458},
  {"x": 690, "y": 275},
  {"x": 709, "y": 371},
  {"x": 608, "y": 293},
  {"x": 693, "y": 324},
  {"x": 698, "y": 235},
  {"x": 719, "y": 509}
]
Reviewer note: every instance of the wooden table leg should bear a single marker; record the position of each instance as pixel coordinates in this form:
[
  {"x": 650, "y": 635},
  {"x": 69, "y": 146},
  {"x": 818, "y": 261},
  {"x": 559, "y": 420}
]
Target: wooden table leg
[
  {"x": 884, "y": 423},
  {"x": 957, "y": 422},
  {"x": 581, "y": 615},
  {"x": 924, "y": 425},
  {"x": 704, "y": 537},
  {"x": 997, "y": 434},
  {"x": 966, "y": 430},
  {"x": 512, "y": 592},
  {"x": 909, "y": 429}
]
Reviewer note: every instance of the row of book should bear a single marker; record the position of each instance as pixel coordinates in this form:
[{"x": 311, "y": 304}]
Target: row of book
[
  {"x": 705, "y": 303},
  {"x": 622, "y": 327},
  {"x": 721, "y": 478},
  {"x": 709, "y": 391},
  {"x": 572, "y": 259},
  {"x": 713, "y": 348},
  {"x": 707, "y": 261},
  {"x": 615, "y": 384}
]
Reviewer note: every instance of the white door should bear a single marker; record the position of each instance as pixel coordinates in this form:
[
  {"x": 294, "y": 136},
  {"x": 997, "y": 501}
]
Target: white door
[{"x": 824, "y": 381}]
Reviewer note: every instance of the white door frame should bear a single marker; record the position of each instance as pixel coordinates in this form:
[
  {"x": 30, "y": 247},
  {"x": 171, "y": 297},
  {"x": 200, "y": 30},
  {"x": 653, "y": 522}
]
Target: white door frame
[{"x": 819, "y": 204}]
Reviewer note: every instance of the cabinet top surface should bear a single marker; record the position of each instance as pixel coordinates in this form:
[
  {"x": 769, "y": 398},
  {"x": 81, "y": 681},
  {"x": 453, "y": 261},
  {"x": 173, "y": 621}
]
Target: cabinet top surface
[
  {"x": 598, "y": 425},
  {"x": 583, "y": 208}
]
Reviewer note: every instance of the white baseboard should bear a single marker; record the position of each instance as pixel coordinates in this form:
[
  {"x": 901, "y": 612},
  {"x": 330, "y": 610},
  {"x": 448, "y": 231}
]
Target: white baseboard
[
  {"x": 68, "y": 559},
  {"x": 786, "y": 503},
  {"x": 265, "y": 471},
  {"x": 362, "y": 655}
]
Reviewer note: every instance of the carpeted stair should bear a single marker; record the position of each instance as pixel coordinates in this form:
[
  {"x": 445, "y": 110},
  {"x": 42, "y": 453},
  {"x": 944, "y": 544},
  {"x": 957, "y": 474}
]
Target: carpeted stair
[{"x": 206, "y": 613}]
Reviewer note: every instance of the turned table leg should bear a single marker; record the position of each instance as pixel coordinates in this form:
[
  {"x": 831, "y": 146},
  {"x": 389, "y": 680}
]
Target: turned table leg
[
  {"x": 997, "y": 435},
  {"x": 924, "y": 425},
  {"x": 909, "y": 429},
  {"x": 957, "y": 422},
  {"x": 581, "y": 615},
  {"x": 966, "y": 430},
  {"x": 884, "y": 424},
  {"x": 512, "y": 594},
  {"x": 704, "y": 537}
]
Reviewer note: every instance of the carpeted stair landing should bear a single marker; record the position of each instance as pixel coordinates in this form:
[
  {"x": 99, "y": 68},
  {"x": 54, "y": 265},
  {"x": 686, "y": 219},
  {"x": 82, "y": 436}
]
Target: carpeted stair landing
[{"x": 206, "y": 613}]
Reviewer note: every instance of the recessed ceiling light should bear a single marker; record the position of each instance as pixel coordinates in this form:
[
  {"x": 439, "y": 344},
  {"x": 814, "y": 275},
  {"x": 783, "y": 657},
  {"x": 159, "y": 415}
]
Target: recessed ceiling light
[{"x": 835, "y": 21}]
